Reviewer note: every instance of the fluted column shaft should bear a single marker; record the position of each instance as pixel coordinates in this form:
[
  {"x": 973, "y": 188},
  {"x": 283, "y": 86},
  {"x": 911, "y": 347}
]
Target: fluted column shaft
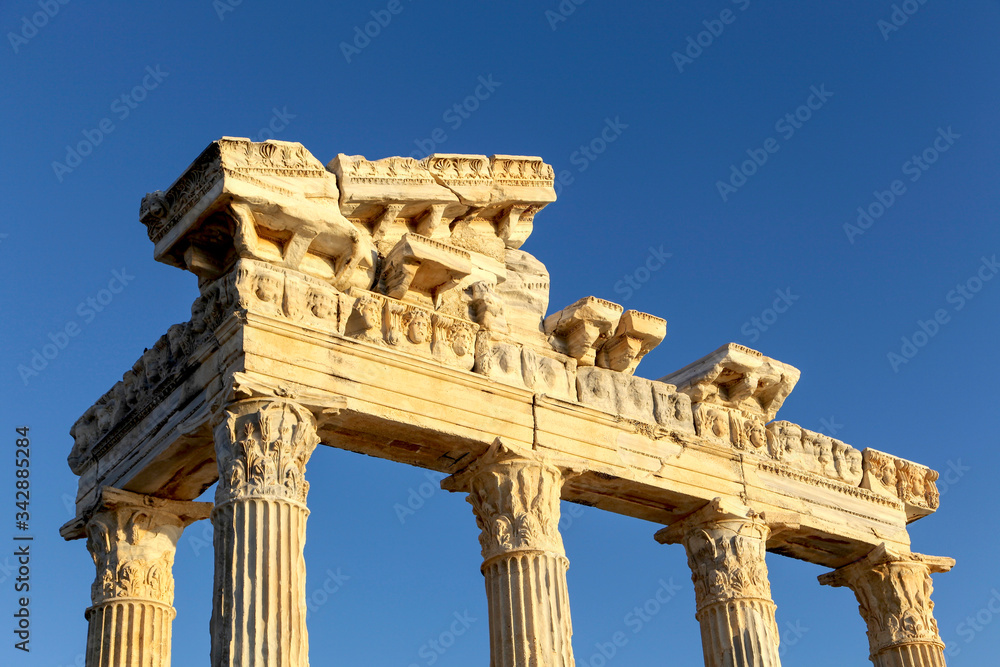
[
  {"x": 725, "y": 544},
  {"x": 259, "y": 606},
  {"x": 894, "y": 597},
  {"x": 515, "y": 497},
  {"x": 133, "y": 539}
]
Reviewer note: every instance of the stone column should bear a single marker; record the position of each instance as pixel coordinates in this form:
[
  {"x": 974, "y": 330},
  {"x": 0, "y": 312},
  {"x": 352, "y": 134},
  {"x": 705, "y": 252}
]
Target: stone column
[
  {"x": 515, "y": 497},
  {"x": 259, "y": 607},
  {"x": 133, "y": 539},
  {"x": 894, "y": 596},
  {"x": 725, "y": 544}
]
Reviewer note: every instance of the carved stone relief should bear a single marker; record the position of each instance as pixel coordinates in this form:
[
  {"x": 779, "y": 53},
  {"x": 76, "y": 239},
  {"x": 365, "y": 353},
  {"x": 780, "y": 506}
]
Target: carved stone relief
[
  {"x": 411, "y": 328},
  {"x": 635, "y": 398},
  {"x": 262, "y": 448}
]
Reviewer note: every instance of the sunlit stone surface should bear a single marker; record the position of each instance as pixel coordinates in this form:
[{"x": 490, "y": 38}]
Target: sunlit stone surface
[{"x": 387, "y": 307}]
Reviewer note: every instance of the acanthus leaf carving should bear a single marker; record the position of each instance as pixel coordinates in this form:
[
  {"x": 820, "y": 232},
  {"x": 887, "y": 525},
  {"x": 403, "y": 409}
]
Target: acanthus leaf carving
[
  {"x": 894, "y": 596},
  {"x": 262, "y": 446},
  {"x": 132, "y": 539},
  {"x": 515, "y": 498},
  {"x": 726, "y": 546}
]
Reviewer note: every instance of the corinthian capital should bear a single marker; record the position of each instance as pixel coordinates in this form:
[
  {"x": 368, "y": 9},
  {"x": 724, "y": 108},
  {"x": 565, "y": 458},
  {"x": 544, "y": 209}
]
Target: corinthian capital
[
  {"x": 726, "y": 544},
  {"x": 132, "y": 539},
  {"x": 894, "y": 596},
  {"x": 262, "y": 446},
  {"x": 514, "y": 494}
]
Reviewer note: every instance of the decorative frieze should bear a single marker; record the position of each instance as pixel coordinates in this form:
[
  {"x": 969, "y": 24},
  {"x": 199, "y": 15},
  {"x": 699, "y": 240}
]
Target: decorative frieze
[
  {"x": 524, "y": 366},
  {"x": 912, "y": 483},
  {"x": 411, "y": 328}
]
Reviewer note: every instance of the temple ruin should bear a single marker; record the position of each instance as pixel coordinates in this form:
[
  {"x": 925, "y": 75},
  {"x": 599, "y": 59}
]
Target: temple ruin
[{"x": 385, "y": 307}]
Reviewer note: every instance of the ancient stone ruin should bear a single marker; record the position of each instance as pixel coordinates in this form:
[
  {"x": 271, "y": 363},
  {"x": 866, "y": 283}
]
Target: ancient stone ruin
[{"x": 385, "y": 307}]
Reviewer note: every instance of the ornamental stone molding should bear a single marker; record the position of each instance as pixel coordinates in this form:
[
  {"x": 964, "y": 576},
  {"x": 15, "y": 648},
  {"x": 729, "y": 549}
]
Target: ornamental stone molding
[
  {"x": 894, "y": 597},
  {"x": 262, "y": 447},
  {"x": 515, "y": 496},
  {"x": 388, "y": 307},
  {"x": 132, "y": 539},
  {"x": 726, "y": 544}
]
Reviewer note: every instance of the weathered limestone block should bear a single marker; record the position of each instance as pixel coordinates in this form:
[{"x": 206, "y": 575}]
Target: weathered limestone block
[
  {"x": 160, "y": 369},
  {"x": 525, "y": 294},
  {"x": 445, "y": 196},
  {"x": 726, "y": 544},
  {"x": 259, "y": 611},
  {"x": 635, "y": 398},
  {"x": 271, "y": 201},
  {"x": 894, "y": 597},
  {"x": 911, "y": 482},
  {"x": 813, "y": 452},
  {"x": 523, "y": 366},
  {"x": 581, "y": 328},
  {"x": 515, "y": 497},
  {"x": 133, "y": 539},
  {"x": 425, "y": 266},
  {"x": 671, "y": 408},
  {"x": 636, "y": 334},
  {"x": 488, "y": 308},
  {"x": 261, "y": 288},
  {"x": 737, "y": 377},
  {"x": 381, "y": 320}
]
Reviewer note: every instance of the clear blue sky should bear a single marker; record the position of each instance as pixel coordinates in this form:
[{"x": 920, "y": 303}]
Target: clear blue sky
[{"x": 880, "y": 98}]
